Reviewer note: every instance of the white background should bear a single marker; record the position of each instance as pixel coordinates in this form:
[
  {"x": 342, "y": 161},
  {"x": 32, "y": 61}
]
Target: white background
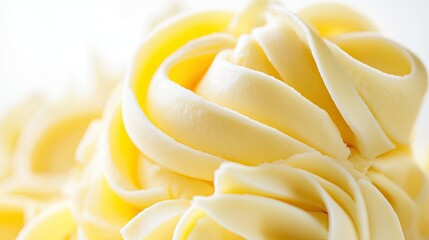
[{"x": 49, "y": 46}]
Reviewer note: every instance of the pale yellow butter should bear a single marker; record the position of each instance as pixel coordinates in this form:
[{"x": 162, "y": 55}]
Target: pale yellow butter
[{"x": 261, "y": 124}]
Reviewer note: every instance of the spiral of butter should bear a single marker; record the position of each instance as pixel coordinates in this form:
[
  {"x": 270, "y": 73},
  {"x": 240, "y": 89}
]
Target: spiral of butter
[
  {"x": 252, "y": 88},
  {"x": 198, "y": 95},
  {"x": 293, "y": 127},
  {"x": 212, "y": 88}
]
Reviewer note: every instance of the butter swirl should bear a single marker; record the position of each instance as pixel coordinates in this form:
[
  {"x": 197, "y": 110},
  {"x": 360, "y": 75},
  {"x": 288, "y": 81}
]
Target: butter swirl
[
  {"x": 279, "y": 90},
  {"x": 205, "y": 91},
  {"x": 255, "y": 125}
]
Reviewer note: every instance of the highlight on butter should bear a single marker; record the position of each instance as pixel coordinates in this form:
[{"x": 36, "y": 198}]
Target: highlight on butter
[{"x": 258, "y": 124}]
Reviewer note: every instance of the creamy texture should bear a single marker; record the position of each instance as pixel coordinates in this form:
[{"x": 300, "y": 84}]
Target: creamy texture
[
  {"x": 254, "y": 125},
  {"x": 309, "y": 197},
  {"x": 260, "y": 93},
  {"x": 355, "y": 103}
]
